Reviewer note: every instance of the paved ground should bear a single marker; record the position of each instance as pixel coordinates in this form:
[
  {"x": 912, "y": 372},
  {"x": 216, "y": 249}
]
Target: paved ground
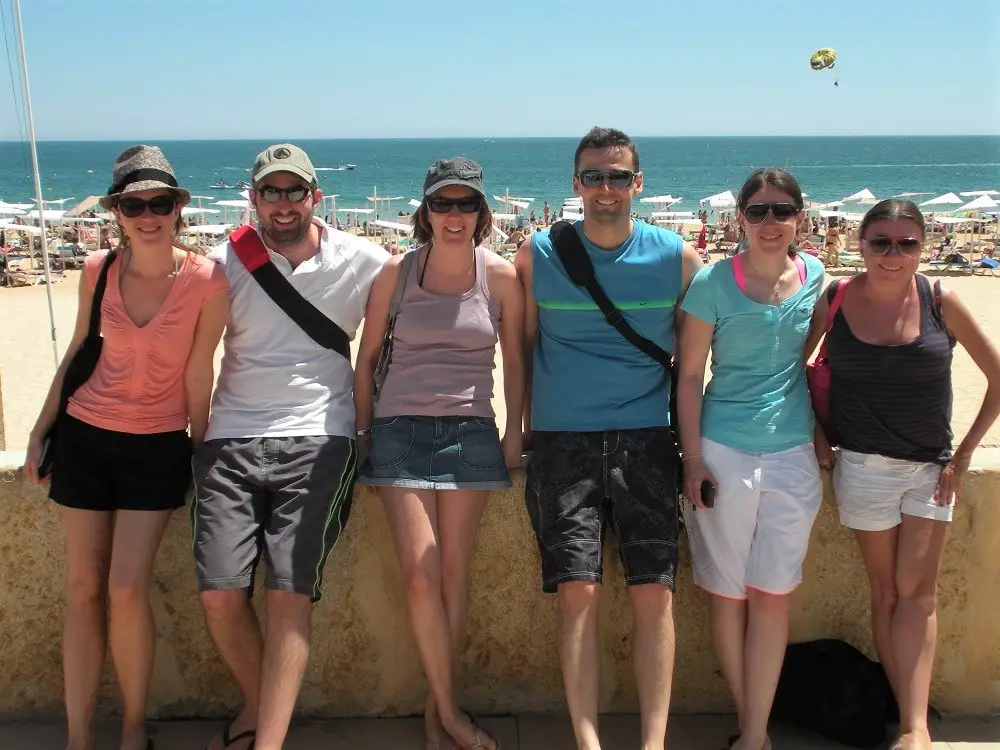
[{"x": 525, "y": 732}]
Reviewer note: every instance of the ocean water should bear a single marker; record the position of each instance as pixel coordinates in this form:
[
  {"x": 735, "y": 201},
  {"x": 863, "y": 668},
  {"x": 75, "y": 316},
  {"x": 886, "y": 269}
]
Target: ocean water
[{"x": 827, "y": 167}]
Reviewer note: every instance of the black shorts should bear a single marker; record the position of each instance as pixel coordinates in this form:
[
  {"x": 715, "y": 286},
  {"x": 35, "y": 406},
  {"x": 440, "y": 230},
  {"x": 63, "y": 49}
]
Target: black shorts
[
  {"x": 97, "y": 469},
  {"x": 579, "y": 482}
]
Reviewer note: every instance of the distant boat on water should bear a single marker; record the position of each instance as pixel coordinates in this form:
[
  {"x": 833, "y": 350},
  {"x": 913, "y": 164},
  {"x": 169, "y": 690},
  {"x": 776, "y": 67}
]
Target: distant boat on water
[{"x": 221, "y": 185}]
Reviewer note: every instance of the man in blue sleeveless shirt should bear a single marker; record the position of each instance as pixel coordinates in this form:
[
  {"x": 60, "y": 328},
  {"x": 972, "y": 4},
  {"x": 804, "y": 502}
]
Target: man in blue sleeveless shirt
[{"x": 597, "y": 418}]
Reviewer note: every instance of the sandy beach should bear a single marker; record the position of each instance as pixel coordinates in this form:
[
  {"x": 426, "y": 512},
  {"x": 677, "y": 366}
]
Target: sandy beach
[{"x": 26, "y": 361}]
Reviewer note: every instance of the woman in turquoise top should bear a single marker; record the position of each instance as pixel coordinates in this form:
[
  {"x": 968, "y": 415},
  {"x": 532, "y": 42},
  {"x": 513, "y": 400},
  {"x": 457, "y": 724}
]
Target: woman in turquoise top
[{"x": 749, "y": 434}]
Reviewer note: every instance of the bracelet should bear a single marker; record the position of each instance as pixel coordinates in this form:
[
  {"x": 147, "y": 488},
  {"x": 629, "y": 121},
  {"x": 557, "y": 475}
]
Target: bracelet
[
  {"x": 691, "y": 457},
  {"x": 362, "y": 433}
]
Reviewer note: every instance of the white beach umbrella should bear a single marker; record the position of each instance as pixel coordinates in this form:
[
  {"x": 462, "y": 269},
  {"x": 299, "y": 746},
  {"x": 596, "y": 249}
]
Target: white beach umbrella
[
  {"x": 192, "y": 211},
  {"x": 667, "y": 199},
  {"x": 974, "y": 193},
  {"x": 862, "y": 196},
  {"x": 725, "y": 199},
  {"x": 673, "y": 214},
  {"x": 356, "y": 210},
  {"x": 909, "y": 195},
  {"x": 404, "y": 228},
  {"x": 952, "y": 219},
  {"x": 49, "y": 214},
  {"x": 415, "y": 203},
  {"x": 979, "y": 204},
  {"x": 948, "y": 199},
  {"x": 234, "y": 203},
  {"x": 211, "y": 229},
  {"x": 9, "y": 226},
  {"x": 11, "y": 211}
]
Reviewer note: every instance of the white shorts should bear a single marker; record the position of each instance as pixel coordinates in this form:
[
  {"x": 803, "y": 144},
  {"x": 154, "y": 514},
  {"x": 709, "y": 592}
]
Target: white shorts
[
  {"x": 874, "y": 491},
  {"x": 757, "y": 534}
]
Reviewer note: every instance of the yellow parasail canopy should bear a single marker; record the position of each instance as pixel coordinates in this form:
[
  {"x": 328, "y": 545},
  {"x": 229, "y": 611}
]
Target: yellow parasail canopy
[{"x": 823, "y": 58}]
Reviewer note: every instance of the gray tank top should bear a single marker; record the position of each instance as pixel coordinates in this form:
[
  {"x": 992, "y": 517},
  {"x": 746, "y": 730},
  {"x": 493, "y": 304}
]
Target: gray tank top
[{"x": 443, "y": 351}]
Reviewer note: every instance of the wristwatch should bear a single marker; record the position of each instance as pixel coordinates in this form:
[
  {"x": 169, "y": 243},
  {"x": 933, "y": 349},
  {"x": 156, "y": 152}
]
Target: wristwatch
[{"x": 362, "y": 433}]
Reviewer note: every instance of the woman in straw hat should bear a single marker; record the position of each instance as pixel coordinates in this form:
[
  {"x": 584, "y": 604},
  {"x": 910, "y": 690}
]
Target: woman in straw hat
[{"x": 122, "y": 462}]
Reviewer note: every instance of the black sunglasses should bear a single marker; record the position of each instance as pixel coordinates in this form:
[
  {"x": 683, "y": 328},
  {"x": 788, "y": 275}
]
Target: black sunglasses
[
  {"x": 619, "y": 178},
  {"x": 273, "y": 194},
  {"x": 904, "y": 245},
  {"x": 444, "y": 205},
  {"x": 161, "y": 205},
  {"x": 756, "y": 213}
]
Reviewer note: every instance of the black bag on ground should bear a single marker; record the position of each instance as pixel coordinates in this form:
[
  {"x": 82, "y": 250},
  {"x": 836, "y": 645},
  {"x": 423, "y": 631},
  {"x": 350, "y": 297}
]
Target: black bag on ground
[
  {"x": 80, "y": 368},
  {"x": 830, "y": 688}
]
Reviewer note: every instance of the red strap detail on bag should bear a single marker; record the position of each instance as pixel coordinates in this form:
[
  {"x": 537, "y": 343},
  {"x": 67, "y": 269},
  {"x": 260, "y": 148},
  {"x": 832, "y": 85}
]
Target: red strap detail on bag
[{"x": 249, "y": 247}]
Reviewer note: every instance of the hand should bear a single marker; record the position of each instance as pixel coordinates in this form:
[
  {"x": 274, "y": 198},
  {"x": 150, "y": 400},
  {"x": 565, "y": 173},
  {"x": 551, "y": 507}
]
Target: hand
[
  {"x": 31, "y": 460},
  {"x": 511, "y": 446},
  {"x": 824, "y": 453},
  {"x": 363, "y": 445},
  {"x": 949, "y": 486},
  {"x": 695, "y": 472}
]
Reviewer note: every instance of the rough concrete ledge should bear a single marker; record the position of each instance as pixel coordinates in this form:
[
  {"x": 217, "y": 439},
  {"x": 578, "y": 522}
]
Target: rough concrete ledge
[{"x": 364, "y": 662}]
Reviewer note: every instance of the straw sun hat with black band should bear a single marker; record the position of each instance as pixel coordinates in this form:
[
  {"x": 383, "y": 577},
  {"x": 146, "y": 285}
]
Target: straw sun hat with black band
[{"x": 142, "y": 168}]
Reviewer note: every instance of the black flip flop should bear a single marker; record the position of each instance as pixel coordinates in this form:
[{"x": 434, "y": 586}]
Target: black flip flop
[{"x": 227, "y": 741}]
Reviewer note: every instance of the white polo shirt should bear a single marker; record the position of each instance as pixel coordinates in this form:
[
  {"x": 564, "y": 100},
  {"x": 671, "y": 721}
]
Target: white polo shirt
[{"x": 275, "y": 381}]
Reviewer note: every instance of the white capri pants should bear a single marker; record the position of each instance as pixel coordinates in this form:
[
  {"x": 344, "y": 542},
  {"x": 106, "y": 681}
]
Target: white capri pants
[
  {"x": 873, "y": 491},
  {"x": 757, "y": 534}
]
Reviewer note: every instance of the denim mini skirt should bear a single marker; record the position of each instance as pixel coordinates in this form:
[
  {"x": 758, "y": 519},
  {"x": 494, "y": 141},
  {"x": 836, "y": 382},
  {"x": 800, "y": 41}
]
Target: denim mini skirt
[{"x": 435, "y": 453}]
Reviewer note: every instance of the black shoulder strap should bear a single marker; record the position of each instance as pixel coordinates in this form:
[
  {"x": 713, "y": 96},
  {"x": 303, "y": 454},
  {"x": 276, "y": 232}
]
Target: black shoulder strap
[
  {"x": 831, "y": 291},
  {"x": 252, "y": 253},
  {"x": 573, "y": 256},
  {"x": 94, "y": 330}
]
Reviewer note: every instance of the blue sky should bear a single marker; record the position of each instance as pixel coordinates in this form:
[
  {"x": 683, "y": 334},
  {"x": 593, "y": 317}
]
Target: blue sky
[{"x": 117, "y": 69}]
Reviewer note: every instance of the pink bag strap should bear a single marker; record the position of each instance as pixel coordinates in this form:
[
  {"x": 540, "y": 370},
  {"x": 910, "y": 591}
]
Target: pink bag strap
[
  {"x": 740, "y": 276},
  {"x": 836, "y": 302}
]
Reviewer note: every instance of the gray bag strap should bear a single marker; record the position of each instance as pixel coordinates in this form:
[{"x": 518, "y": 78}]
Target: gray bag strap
[{"x": 385, "y": 353}]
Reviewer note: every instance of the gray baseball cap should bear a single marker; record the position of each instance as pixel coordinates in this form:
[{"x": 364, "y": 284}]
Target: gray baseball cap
[
  {"x": 455, "y": 171},
  {"x": 284, "y": 157}
]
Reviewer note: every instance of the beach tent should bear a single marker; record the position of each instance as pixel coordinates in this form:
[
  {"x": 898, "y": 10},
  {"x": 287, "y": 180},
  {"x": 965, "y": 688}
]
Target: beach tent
[
  {"x": 85, "y": 205},
  {"x": 948, "y": 199},
  {"x": 862, "y": 196},
  {"x": 718, "y": 201}
]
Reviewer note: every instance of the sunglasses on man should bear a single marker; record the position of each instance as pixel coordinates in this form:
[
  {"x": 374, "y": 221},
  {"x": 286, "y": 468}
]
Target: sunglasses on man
[
  {"x": 619, "y": 179},
  {"x": 757, "y": 213},
  {"x": 161, "y": 205},
  {"x": 273, "y": 194}
]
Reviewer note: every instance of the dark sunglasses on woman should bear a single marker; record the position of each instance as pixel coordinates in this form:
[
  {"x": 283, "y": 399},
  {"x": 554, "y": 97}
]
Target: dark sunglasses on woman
[
  {"x": 444, "y": 205},
  {"x": 618, "y": 178},
  {"x": 133, "y": 208},
  {"x": 904, "y": 245},
  {"x": 757, "y": 213}
]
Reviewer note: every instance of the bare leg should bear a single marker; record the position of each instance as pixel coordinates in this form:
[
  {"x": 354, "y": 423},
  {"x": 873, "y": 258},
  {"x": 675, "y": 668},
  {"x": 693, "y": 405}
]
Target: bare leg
[
  {"x": 729, "y": 632},
  {"x": 914, "y": 624},
  {"x": 237, "y": 636},
  {"x": 413, "y": 519},
  {"x": 459, "y": 513},
  {"x": 88, "y": 558},
  {"x": 653, "y": 658},
  {"x": 767, "y": 638},
  {"x": 579, "y": 655},
  {"x": 286, "y": 652},
  {"x": 137, "y": 537},
  {"x": 878, "y": 550}
]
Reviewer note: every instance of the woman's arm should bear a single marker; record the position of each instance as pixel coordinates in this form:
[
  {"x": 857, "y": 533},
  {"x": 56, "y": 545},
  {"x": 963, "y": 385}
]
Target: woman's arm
[
  {"x": 818, "y": 326},
  {"x": 376, "y": 314},
  {"x": 966, "y": 331},
  {"x": 503, "y": 281},
  {"x": 199, "y": 375},
  {"x": 50, "y": 407},
  {"x": 696, "y": 340}
]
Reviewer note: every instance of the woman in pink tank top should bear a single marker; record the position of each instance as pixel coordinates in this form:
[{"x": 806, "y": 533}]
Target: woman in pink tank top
[
  {"x": 435, "y": 451},
  {"x": 122, "y": 461}
]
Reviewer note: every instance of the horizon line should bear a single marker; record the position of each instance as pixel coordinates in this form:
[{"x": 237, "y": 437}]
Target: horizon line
[{"x": 498, "y": 137}]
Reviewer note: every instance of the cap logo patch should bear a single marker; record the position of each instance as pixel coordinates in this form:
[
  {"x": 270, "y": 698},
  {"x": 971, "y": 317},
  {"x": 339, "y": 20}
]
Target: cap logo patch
[{"x": 281, "y": 153}]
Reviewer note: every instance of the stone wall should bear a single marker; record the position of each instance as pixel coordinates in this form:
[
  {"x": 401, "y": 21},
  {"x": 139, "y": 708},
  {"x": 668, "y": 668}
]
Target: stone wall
[{"x": 364, "y": 662}]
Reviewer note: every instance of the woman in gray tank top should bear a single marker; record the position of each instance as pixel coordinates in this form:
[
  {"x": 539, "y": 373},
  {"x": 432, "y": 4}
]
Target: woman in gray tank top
[
  {"x": 896, "y": 478},
  {"x": 433, "y": 448}
]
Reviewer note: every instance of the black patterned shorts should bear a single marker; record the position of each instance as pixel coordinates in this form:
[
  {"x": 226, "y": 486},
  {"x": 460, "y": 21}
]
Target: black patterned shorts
[{"x": 579, "y": 482}]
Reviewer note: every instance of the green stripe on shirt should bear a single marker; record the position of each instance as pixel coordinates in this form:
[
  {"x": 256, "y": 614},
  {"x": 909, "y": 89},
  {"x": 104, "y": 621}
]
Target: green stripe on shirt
[{"x": 655, "y": 304}]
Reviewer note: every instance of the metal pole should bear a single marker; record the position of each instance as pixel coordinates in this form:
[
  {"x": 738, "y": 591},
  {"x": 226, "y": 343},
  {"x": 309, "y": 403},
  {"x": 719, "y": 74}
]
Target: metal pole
[{"x": 38, "y": 179}]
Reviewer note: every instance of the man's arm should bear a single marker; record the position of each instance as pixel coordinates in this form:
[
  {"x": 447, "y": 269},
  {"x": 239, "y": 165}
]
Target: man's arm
[{"x": 523, "y": 266}]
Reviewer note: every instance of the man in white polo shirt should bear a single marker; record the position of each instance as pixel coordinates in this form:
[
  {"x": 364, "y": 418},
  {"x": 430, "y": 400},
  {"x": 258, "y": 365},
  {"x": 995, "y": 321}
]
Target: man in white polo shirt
[{"x": 275, "y": 475}]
